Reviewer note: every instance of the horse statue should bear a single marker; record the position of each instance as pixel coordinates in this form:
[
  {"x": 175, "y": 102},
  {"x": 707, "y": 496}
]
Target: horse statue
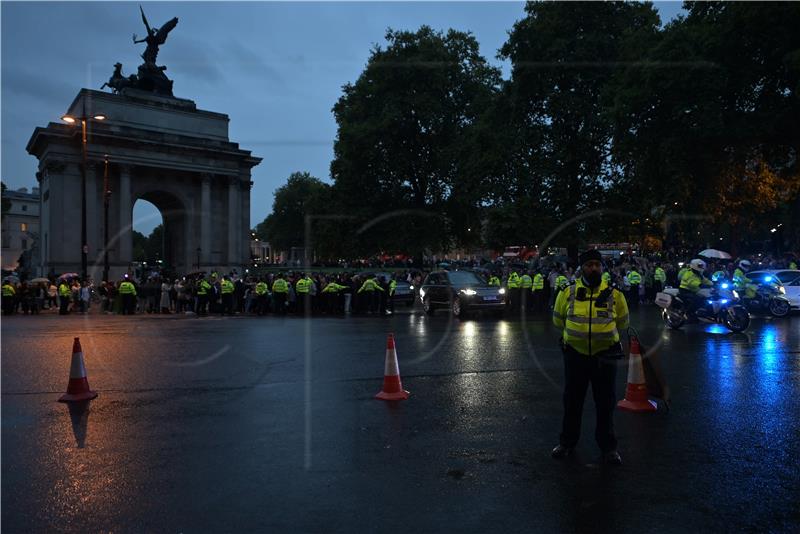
[{"x": 118, "y": 82}]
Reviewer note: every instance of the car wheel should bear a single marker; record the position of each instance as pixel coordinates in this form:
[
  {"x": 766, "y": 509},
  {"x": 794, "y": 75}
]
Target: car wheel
[
  {"x": 457, "y": 309},
  {"x": 427, "y": 306},
  {"x": 779, "y": 307}
]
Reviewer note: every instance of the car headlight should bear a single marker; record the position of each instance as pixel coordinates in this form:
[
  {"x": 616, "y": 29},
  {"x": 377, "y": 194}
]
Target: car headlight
[
  {"x": 421, "y": 293},
  {"x": 502, "y": 291},
  {"x": 469, "y": 292},
  {"x": 782, "y": 290},
  {"x": 735, "y": 294}
]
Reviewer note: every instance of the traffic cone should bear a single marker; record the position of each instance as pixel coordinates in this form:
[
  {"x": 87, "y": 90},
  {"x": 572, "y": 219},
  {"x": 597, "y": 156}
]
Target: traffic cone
[
  {"x": 392, "y": 387},
  {"x": 78, "y": 387},
  {"x": 636, "y": 393}
]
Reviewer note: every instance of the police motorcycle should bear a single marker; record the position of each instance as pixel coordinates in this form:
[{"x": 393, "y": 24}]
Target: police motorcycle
[
  {"x": 722, "y": 306},
  {"x": 770, "y": 297}
]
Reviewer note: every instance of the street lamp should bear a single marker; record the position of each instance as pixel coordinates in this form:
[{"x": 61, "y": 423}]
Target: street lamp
[
  {"x": 199, "y": 250},
  {"x": 84, "y": 119}
]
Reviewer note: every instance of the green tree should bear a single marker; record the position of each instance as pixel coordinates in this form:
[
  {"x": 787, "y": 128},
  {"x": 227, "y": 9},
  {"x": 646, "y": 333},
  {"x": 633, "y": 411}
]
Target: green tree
[
  {"x": 400, "y": 157},
  {"x": 302, "y": 196},
  {"x": 564, "y": 56},
  {"x": 707, "y": 120}
]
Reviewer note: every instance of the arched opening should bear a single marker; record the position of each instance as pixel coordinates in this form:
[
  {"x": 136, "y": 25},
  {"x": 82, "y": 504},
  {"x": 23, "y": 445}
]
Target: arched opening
[
  {"x": 148, "y": 233},
  {"x": 159, "y": 225}
]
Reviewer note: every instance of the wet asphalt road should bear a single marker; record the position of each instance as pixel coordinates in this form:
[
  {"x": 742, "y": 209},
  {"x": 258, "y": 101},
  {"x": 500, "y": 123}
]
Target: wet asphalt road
[{"x": 269, "y": 425}]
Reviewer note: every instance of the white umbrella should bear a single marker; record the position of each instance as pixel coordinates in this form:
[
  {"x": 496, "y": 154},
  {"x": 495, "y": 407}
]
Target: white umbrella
[{"x": 715, "y": 254}]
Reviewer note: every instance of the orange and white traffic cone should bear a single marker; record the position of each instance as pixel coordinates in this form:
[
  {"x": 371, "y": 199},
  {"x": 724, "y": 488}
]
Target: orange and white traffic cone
[
  {"x": 392, "y": 386},
  {"x": 78, "y": 386},
  {"x": 636, "y": 393}
]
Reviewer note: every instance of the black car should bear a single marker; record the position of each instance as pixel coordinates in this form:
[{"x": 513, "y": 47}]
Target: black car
[{"x": 461, "y": 291}]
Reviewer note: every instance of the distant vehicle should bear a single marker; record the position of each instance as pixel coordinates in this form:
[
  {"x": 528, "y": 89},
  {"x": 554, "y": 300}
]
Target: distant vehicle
[
  {"x": 460, "y": 291},
  {"x": 520, "y": 253},
  {"x": 789, "y": 279}
]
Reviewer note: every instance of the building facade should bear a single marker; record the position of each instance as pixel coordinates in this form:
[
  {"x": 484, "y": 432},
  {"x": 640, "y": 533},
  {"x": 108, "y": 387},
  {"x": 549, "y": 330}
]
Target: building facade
[{"x": 20, "y": 226}]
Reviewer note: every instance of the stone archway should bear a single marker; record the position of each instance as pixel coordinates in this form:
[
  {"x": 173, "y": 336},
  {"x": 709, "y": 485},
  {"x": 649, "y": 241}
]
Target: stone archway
[{"x": 161, "y": 149}]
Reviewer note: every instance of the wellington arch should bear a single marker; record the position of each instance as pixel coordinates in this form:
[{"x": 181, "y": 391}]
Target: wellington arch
[{"x": 148, "y": 146}]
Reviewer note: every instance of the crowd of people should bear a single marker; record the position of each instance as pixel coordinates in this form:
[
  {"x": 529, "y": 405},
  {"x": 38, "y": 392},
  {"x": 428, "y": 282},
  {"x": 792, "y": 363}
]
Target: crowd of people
[{"x": 532, "y": 288}]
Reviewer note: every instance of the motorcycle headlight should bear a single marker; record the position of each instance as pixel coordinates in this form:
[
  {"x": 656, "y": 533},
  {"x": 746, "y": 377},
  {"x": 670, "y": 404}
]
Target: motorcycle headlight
[
  {"x": 422, "y": 293},
  {"x": 782, "y": 290},
  {"x": 411, "y": 288},
  {"x": 502, "y": 291},
  {"x": 469, "y": 292},
  {"x": 735, "y": 294}
]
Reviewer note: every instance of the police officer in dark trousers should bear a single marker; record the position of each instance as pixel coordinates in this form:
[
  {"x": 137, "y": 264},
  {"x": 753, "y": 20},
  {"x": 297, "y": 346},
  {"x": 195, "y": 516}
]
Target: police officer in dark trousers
[{"x": 590, "y": 314}]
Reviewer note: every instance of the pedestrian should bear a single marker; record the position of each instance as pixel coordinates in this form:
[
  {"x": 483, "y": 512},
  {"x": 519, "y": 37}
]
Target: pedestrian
[
  {"x": 280, "y": 291},
  {"x": 203, "y": 289},
  {"x": 226, "y": 295},
  {"x": 85, "y": 296},
  {"x": 166, "y": 289},
  {"x": 64, "y": 294},
  {"x": 9, "y": 295},
  {"x": 590, "y": 314}
]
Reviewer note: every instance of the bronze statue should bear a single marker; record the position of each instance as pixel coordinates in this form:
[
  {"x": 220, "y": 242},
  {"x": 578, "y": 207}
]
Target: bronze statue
[
  {"x": 151, "y": 77},
  {"x": 118, "y": 82},
  {"x": 155, "y": 38}
]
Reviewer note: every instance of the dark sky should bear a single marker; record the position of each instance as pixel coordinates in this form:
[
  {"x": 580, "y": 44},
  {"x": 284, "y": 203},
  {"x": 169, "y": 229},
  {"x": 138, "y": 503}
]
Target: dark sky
[{"x": 276, "y": 68}]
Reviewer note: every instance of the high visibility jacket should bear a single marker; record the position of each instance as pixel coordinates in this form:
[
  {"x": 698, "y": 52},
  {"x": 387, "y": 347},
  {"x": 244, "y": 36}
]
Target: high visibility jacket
[
  {"x": 660, "y": 275},
  {"x": 64, "y": 290},
  {"x": 792, "y": 265},
  {"x": 261, "y": 288},
  {"x": 561, "y": 281},
  {"x": 8, "y": 290},
  {"x": 302, "y": 285},
  {"x": 203, "y": 287},
  {"x": 280, "y": 286},
  {"x": 127, "y": 288},
  {"x": 718, "y": 275},
  {"x": 606, "y": 277},
  {"x": 392, "y": 287},
  {"x": 513, "y": 281},
  {"x": 590, "y": 327},
  {"x": 494, "y": 281},
  {"x": 634, "y": 278},
  {"x": 370, "y": 285},
  {"x": 740, "y": 280},
  {"x": 333, "y": 287},
  {"x": 226, "y": 286},
  {"x": 692, "y": 281},
  {"x": 538, "y": 282},
  {"x": 526, "y": 281},
  {"x": 683, "y": 271}
]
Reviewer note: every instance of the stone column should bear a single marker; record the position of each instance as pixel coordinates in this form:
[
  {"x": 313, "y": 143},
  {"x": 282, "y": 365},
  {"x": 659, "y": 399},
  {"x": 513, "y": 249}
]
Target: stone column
[
  {"x": 244, "y": 230},
  {"x": 234, "y": 211},
  {"x": 93, "y": 220},
  {"x": 125, "y": 237},
  {"x": 205, "y": 218}
]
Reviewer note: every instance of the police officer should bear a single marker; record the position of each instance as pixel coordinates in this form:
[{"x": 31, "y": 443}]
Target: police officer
[
  {"x": 513, "y": 284},
  {"x": 691, "y": 283},
  {"x": 369, "y": 290},
  {"x": 660, "y": 278},
  {"x": 526, "y": 285},
  {"x": 635, "y": 280},
  {"x": 280, "y": 292},
  {"x": 261, "y": 297},
  {"x": 203, "y": 290},
  {"x": 590, "y": 314},
  {"x": 303, "y": 287},
  {"x": 128, "y": 292},
  {"x": 537, "y": 292},
  {"x": 9, "y": 295},
  {"x": 226, "y": 289}
]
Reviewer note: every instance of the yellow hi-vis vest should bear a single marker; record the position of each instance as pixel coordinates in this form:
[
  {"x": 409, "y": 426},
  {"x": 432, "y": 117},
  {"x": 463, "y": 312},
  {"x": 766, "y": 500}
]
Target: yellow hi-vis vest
[
  {"x": 226, "y": 286},
  {"x": 127, "y": 288},
  {"x": 526, "y": 281},
  {"x": 589, "y": 327},
  {"x": 280, "y": 286},
  {"x": 261, "y": 288},
  {"x": 538, "y": 282}
]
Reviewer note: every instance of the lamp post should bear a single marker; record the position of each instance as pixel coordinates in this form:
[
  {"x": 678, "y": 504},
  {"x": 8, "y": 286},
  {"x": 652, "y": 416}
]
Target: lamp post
[
  {"x": 199, "y": 250},
  {"x": 69, "y": 119}
]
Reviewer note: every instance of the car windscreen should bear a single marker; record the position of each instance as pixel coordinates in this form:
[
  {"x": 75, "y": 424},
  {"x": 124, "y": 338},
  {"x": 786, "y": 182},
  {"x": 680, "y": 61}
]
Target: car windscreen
[{"x": 465, "y": 278}]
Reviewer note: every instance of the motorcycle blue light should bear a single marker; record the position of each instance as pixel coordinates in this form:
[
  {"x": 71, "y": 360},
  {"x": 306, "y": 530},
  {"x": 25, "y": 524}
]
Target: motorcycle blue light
[
  {"x": 724, "y": 286},
  {"x": 724, "y": 301},
  {"x": 710, "y": 301},
  {"x": 767, "y": 278}
]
